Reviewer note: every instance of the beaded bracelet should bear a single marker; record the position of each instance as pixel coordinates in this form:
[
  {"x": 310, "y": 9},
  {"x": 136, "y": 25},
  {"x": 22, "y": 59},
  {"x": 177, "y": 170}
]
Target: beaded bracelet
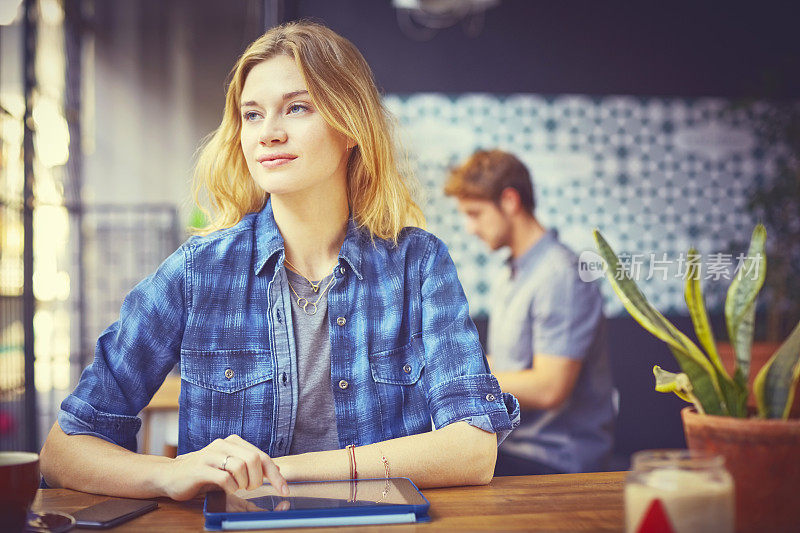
[
  {"x": 386, "y": 470},
  {"x": 385, "y": 464}
]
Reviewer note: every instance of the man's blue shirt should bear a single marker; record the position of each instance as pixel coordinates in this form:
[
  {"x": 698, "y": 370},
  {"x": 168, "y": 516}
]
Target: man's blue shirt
[
  {"x": 404, "y": 351},
  {"x": 545, "y": 308}
]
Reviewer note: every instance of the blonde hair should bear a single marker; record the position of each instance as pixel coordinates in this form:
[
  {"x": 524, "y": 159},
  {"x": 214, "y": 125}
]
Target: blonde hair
[{"x": 341, "y": 86}]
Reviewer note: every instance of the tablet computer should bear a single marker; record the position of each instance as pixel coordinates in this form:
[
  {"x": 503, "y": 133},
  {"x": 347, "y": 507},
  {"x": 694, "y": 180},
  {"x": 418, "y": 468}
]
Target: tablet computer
[{"x": 318, "y": 503}]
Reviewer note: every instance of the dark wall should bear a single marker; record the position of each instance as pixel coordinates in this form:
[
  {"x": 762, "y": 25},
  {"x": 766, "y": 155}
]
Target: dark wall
[{"x": 588, "y": 47}]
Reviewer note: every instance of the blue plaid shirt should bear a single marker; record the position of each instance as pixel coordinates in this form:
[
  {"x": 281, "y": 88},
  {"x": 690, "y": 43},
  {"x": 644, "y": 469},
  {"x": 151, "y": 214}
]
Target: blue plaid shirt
[{"x": 404, "y": 351}]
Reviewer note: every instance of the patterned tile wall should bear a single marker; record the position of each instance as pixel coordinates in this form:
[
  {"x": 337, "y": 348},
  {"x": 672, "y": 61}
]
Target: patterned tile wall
[{"x": 656, "y": 176}]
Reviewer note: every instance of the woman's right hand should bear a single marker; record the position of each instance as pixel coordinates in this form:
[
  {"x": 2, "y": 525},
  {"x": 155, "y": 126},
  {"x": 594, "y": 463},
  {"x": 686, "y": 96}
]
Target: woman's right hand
[{"x": 230, "y": 464}]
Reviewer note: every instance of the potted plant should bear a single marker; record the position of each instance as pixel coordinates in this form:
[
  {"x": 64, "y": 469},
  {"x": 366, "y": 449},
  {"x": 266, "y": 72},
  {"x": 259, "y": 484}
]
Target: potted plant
[{"x": 761, "y": 448}]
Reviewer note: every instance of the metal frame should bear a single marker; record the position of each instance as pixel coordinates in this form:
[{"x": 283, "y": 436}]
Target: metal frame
[{"x": 28, "y": 299}]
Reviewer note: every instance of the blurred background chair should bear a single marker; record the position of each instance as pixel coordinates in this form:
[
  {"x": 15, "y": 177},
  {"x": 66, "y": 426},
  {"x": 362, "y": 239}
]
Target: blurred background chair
[{"x": 160, "y": 419}]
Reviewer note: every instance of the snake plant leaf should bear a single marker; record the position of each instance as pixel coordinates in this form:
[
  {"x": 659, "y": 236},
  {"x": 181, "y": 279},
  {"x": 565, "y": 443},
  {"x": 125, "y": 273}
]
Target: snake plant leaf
[
  {"x": 734, "y": 391},
  {"x": 743, "y": 344},
  {"x": 737, "y": 403},
  {"x": 740, "y": 301},
  {"x": 705, "y": 379},
  {"x": 775, "y": 383},
  {"x": 691, "y": 359},
  {"x": 671, "y": 382},
  {"x": 697, "y": 310}
]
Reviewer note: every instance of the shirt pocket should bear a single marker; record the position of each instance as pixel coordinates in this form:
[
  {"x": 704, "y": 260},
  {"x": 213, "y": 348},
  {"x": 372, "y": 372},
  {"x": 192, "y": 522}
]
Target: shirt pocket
[
  {"x": 226, "y": 392},
  {"x": 398, "y": 378}
]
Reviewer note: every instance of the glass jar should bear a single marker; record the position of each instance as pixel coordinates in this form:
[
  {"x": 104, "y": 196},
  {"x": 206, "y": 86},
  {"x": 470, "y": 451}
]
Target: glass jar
[{"x": 691, "y": 490}]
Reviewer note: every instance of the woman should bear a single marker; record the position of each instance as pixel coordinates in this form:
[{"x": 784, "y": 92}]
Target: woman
[{"x": 319, "y": 333}]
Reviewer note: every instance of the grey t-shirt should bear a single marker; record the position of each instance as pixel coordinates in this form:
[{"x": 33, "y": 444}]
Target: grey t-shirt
[
  {"x": 545, "y": 308},
  {"x": 315, "y": 425}
]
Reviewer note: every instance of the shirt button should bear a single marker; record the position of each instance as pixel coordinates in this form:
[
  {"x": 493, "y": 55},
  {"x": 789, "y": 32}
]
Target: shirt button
[
  {"x": 341, "y": 321},
  {"x": 228, "y": 373},
  {"x": 490, "y": 397},
  {"x": 407, "y": 368},
  {"x": 343, "y": 384},
  {"x": 341, "y": 270}
]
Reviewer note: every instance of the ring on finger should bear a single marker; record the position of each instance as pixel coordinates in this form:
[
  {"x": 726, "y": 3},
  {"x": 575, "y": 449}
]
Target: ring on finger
[{"x": 225, "y": 462}]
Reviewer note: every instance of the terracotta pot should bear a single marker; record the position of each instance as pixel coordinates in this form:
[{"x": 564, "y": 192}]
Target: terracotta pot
[{"x": 763, "y": 456}]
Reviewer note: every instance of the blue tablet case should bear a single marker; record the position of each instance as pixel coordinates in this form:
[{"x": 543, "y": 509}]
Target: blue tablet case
[{"x": 314, "y": 511}]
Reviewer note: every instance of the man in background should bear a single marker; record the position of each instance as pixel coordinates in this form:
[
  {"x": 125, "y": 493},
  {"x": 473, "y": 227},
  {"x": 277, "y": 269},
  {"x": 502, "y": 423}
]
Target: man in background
[{"x": 546, "y": 341}]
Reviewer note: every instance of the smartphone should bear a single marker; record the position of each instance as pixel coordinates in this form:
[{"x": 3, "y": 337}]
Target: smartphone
[{"x": 112, "y": 512}]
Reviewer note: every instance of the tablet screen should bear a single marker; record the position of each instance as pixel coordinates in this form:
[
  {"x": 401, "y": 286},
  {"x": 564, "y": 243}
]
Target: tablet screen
[{"x": 318, "y": 495}]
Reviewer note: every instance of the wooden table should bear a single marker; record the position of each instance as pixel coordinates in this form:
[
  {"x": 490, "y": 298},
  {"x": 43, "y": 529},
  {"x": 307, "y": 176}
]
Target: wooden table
[{"x": 566, "y": 502}]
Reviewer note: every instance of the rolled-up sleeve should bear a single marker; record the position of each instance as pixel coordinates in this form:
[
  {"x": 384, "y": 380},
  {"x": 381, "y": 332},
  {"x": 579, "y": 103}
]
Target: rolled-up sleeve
[
  {"x": 132, "y": 358},
  {"x": 459, "y": 387}
]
